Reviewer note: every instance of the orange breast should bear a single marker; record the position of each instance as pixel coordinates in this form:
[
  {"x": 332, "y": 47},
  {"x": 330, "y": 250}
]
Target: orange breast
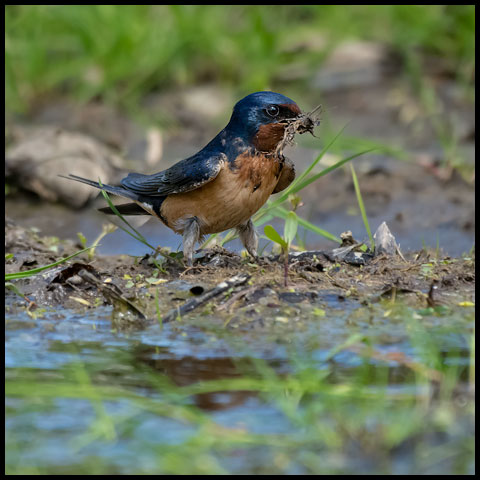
[{"x": 227, "y": 201}]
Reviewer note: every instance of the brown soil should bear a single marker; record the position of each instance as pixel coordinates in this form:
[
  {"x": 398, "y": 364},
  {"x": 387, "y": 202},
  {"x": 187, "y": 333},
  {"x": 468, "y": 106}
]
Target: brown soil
[{"x": 141, "y": 294}]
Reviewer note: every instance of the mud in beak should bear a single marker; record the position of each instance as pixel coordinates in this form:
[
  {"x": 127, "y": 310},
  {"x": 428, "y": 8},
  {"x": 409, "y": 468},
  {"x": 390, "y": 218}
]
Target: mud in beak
[
  {"x": 305, "y": 122},
  {"x": 302, "y": 123}
]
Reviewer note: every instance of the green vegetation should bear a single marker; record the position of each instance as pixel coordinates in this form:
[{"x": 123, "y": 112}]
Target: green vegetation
[
  {"x": 292, "y": 220},
  {"x": 285, "y": 242},
  {"x": 121, "y": 53}
]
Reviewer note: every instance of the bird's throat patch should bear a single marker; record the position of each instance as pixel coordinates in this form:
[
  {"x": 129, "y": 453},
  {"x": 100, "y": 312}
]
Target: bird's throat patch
[{"x": 269, "y": 136}]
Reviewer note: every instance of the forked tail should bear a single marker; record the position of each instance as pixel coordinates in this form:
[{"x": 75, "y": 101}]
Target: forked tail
[{"x": 120, "y": 191}]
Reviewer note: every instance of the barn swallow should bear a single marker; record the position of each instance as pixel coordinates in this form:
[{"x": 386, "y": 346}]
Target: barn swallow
[{"x": 222, "y": 185}]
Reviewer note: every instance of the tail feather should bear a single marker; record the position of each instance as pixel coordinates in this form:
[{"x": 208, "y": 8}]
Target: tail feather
[
  {"x": 120, "y": 191},
  {"x": 125, "y": 209}
]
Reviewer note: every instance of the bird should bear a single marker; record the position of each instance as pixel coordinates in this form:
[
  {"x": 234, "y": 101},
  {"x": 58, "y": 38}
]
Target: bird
[{"x": 222, "y": 185}]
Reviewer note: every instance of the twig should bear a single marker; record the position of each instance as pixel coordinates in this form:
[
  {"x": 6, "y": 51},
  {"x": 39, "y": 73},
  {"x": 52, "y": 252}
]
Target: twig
[
  {"x": 111, "y": 293},
  {"x": 193, "y": 268},
  {"x": 196, "y": 302},
  {"x": 237, "y": 296}
]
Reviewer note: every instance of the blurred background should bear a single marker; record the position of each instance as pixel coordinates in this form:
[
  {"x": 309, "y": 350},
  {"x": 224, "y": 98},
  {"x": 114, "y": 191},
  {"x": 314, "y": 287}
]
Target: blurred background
[{"x": 101, "y": 89}]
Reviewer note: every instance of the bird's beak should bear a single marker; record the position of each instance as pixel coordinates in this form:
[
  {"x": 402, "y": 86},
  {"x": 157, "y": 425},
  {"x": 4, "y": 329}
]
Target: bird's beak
[{"x": 305, "y": 122}]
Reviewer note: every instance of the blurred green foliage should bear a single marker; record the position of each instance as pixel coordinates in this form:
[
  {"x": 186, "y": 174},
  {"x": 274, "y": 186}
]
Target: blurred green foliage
[{"x": 120, "y": 53}]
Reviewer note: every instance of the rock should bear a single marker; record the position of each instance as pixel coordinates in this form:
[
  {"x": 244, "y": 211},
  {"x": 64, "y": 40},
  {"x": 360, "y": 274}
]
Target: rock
[
  {"x": 385, "y": 241},
  {"x": 38, "y": 155}
]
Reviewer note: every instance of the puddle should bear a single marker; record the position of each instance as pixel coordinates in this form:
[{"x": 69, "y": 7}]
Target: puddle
[{"x": 100, "y": 392}]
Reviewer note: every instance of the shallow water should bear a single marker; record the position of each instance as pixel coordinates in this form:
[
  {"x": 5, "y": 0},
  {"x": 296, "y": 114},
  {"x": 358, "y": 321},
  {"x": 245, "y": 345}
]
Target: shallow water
[{"x": 65, "y": 429}]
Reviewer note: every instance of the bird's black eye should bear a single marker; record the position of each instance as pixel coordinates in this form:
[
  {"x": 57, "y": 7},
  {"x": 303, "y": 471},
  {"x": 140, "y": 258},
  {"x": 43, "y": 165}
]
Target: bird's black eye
[{"x": 272, "y": 110}]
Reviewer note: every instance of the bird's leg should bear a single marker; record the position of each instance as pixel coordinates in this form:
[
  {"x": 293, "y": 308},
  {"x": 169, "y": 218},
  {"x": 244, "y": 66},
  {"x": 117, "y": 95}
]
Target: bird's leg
[
  {"x": 249, "y": 237},
  {"x": 191, "y": 235}
]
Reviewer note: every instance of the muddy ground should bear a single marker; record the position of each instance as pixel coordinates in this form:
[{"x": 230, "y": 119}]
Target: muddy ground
[
  {"x": 235, "y": 291},
  {"x": 421, "y": 182}
]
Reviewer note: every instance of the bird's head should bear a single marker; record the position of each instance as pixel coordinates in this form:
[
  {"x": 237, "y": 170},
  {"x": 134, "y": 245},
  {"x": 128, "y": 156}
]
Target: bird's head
[{"x": 261, "y": 118}]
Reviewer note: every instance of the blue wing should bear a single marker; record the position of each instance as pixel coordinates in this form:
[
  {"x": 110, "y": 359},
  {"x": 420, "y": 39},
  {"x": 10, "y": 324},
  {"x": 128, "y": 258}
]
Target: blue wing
[{"x": 184, "y": 176}]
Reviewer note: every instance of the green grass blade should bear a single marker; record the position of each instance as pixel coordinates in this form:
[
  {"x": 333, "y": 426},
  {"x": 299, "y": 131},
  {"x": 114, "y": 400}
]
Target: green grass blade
[
  {"x": 291, "y": 226},
  {"x": 283, "y": 212},
  {"x": 292, "y": 187},
  {"x": 274, "y": 236},
  {"x": 210, "y": 239},
  {"x": 136, "y": 235},
  {"x": 14, "y": 289},
  {"x": 231, "y": 235},
  {"x": 362, "y": 207},
  {"x": 312, "y": 165},
  {"x": 157, "y": 309},
  {"x": 263, "y": 218},
  {"x": 34, "y": 271},
  {"x": 327, "y": 170},
  {"x": 303, "y": 182}
]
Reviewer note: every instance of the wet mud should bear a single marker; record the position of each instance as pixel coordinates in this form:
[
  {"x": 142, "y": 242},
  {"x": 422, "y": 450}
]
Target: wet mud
[{"x": 227, "y": 289}]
